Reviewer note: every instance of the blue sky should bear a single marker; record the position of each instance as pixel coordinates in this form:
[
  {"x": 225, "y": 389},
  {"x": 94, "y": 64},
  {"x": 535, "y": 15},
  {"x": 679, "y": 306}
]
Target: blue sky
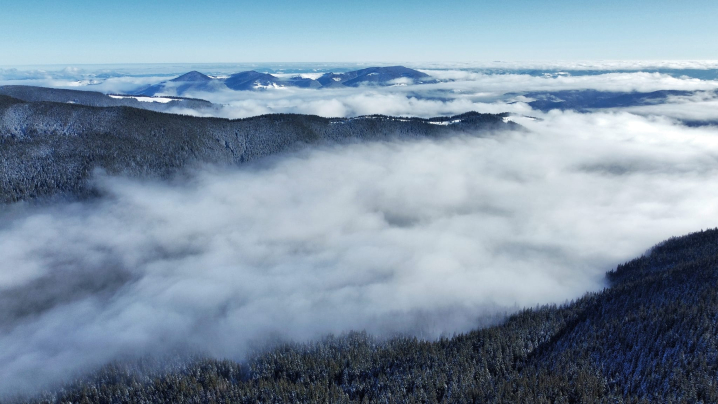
[{"x": 161, "y": 31}]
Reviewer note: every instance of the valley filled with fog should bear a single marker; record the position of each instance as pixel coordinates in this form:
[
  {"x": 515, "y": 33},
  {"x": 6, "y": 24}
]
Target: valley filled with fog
[{"x": 423, "y": 237}]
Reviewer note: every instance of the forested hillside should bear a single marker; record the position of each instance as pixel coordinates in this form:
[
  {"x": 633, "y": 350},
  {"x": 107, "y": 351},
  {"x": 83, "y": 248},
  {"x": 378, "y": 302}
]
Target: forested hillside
[
  {"x": 51, "y": 148},
  {"x": 651, "y": 336},
  {"x": 586, "y": 100},
  {"x": 97, "y": 99}
]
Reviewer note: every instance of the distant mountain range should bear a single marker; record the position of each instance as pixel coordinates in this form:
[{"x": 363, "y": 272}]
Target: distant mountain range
[
  {"x": 252, "y": 80},
  {"x": 585, "y": 100},
  {"x": 52, "y": 148}
]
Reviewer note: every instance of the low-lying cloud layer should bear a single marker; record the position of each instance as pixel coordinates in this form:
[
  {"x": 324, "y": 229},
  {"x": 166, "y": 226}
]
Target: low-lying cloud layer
[
  {"x": 461, "y": 88},
  {"x": 460, "y": 91},
  {"x": 419, "y": 237},
  {"x": 699, "y": 107}
]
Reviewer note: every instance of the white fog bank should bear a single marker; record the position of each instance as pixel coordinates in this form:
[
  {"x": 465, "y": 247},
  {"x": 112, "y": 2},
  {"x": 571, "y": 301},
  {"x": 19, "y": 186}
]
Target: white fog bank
[{"x": 422, "y": 237}]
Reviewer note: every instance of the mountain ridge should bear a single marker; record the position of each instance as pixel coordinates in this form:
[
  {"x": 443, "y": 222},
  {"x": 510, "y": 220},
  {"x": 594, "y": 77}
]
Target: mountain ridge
[
  {"x": 253, "y": 80},
  {"x": 49, "y": 149},
  {"x": 194, "y": 75},
  {"x": 98, "y": 99}
]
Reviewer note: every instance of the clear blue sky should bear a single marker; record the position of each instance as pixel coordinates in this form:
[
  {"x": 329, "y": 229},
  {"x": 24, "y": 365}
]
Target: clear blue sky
[{"x": 163, "y": 31}]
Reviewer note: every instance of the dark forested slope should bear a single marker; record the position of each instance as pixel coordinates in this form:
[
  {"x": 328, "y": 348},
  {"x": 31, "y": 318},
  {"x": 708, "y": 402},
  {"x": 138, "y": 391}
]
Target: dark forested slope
[
  {"x": 586, "y": 100},
  {"x": 49, "y": 148},
  {"x": 97, "y": 99},
  {"x": 651, "y": 336}
]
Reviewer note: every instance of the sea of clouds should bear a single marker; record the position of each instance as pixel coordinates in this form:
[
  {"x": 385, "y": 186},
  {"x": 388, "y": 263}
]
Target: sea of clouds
[
  {"x": 460, "y": 92},
  {"x": 423, "y": 237},
  {"x": 490, "y": 87}
]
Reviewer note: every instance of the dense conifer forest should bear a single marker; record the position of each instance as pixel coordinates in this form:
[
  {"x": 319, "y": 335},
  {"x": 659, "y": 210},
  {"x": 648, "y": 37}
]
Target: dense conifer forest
[
  {"x": 97, "y": 99},
  {"x": 651, "y": 336},
  {"x": 50, "y": 148}
]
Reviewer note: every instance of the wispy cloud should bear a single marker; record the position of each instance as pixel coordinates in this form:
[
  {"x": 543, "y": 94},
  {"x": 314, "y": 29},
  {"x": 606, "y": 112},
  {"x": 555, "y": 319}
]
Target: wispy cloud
[{"x": 701, "y": 106}]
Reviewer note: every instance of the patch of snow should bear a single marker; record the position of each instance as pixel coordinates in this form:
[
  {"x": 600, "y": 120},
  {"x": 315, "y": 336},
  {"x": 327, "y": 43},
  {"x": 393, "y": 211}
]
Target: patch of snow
[
  {"x": 445, "y": 123},
  {"x": 312, "y": 76},
  {"x": 401, "y": 81},
  {"x": 162, "y": 100},
  {"x": 79, "y": 83},
  {"x": 259, "y": 86}
]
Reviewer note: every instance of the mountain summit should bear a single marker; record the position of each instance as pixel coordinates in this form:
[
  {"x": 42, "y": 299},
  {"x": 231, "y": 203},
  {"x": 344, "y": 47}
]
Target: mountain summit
[
  {"x": 251, "y": 80},
  {"x": 374, "y": 75},
  {"x": 192, "y": 81},
  {"x": 193, "y": 76},
  {"x": 254, "y": 80}
]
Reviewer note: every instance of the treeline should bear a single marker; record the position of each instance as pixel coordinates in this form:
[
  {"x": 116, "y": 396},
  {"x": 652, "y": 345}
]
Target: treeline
[
  {"x": 50, "y": 148},
  {"x": 650, "y": 337}
]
